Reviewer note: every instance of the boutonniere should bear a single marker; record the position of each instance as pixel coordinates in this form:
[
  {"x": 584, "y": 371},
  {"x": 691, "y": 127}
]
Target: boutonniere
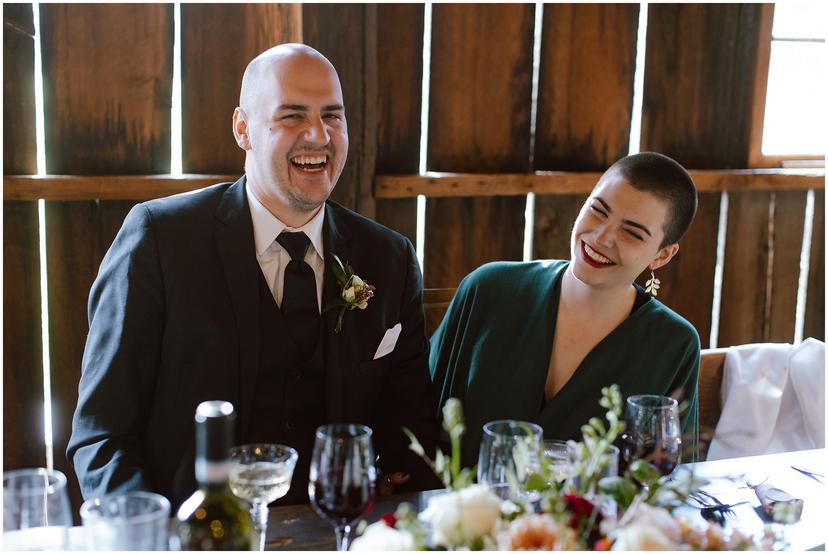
[{"x": 353, "y": 291}]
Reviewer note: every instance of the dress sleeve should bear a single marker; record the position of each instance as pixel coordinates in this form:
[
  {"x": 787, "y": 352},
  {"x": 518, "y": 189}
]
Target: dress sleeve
[
  {"x": 686, "y": 385},
  {"x": 448, "y": 373}
]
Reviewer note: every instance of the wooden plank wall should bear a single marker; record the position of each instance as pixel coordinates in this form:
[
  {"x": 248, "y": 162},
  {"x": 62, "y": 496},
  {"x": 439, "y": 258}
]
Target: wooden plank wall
[
  {"x": 23, "y": 444},
  {"x": 218, "y": 40},
  {"x": 815, "y": 301},
  {"x": 122, "y": 127},
  {"x": 585, "y": 94},
  {"x": 697, "y": 101},
  {"x": 399, "y": 104},
  {"x": 479, "y": 110}
]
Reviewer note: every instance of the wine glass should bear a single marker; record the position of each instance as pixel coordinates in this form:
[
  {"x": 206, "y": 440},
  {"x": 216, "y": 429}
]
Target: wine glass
[
  {"x": 36, "y": 510},
  {"x": 342, "y": 476},
  {"x": 507, "y": 449},
  {"x": 260, "y": 474},
  {"x": 653, "y": 432}
]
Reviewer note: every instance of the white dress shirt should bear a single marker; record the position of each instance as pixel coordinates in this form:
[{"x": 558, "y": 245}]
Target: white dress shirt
[{"x": 273, "y": 258}]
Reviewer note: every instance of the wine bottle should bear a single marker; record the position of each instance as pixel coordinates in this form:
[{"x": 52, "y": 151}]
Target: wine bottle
[{"x": 213, "y": 518}]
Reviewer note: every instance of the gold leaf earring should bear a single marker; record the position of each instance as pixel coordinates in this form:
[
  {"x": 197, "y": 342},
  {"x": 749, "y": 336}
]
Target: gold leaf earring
[{"x": 652, "y": 284}]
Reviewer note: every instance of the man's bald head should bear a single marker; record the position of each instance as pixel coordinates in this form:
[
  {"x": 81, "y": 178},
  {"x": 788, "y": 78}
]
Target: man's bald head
[
  {"x": 270, "y": 64},
  {"x": 291, "y": 124}
]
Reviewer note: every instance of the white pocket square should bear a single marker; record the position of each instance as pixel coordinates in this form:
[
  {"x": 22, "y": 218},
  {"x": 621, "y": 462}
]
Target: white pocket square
[{"x": 389, "y": 341}]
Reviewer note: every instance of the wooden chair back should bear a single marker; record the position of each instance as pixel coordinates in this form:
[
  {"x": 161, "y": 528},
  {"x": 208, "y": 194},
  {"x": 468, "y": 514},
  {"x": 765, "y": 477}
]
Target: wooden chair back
[{"x": 435, "y": 304}]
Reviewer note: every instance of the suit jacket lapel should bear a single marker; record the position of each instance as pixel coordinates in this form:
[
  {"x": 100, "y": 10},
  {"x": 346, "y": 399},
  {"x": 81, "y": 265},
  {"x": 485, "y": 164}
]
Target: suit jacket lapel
[
  {"x": 237, "y": 252},
  {"x": 335, "y": 344}
]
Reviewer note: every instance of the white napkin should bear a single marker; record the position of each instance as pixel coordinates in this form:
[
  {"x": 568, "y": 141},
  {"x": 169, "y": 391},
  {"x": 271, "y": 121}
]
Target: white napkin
[
  {"x": 389, "y": 341},
  {"x": 773, "y": 400}
]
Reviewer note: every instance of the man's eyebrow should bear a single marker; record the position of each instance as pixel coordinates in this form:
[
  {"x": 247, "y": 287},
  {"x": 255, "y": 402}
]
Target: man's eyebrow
[
  {"x": 304, "y": 108},
  {"x": 624, "y": 221},
  {"x": 293, "y": 107}
]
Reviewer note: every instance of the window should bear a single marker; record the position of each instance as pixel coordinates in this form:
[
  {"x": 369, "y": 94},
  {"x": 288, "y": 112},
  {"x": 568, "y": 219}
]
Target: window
[{"x": 789, "y": 122}]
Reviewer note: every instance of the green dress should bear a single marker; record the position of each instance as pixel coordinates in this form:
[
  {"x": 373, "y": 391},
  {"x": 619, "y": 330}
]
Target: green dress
[{"x": 493, "y": 347}]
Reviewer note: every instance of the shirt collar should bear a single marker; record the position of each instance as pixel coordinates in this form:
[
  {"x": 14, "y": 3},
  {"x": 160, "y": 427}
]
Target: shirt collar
[{"x": 266, "y": 227}]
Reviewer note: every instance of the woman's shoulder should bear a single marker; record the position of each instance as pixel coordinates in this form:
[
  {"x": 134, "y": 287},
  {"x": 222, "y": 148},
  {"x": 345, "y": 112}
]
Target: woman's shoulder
[
  {"x": 670, "y": 325},
  {"x": 513, "y": 274}
]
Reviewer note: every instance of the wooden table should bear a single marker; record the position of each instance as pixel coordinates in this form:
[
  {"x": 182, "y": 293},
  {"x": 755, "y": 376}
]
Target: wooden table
[{"x": 299, "y": 528}]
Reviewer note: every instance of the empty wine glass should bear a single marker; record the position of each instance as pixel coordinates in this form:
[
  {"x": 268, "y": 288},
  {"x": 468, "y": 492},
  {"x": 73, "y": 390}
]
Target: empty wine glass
[
  {"x": 36, "y": 510},
  {"x": 508, "y": 449},
  {"x": 342, "y": 476},
  {"x": 653, "y": 432},
  {"x": 260, "y": 474},
  {"x": 556, "y": 452}
]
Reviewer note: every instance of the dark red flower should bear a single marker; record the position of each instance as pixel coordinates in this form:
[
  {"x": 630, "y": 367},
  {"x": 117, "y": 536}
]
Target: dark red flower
[
  {"x": 389, "y": 519},
  {"x": 582, "y": 521},
  {"x": 579, "y": 505}
]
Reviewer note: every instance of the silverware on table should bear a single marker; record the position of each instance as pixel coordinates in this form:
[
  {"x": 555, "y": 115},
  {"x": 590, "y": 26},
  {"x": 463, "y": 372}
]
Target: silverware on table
[{"x": 818, "y": 477}]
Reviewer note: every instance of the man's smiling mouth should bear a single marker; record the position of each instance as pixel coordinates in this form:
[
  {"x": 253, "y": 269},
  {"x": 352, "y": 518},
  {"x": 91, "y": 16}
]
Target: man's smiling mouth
[{"x": 311, "y": 163}]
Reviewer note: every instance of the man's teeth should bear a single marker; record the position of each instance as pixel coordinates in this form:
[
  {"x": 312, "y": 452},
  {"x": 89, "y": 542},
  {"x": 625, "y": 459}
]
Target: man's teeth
[
  {"x": 596, "y": 256},
  {"x": 309, "y": 160}
]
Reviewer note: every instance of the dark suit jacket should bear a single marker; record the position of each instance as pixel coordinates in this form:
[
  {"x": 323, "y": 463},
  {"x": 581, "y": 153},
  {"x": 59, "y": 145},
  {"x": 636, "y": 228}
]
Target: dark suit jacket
[{"x": 174, "y": 320}]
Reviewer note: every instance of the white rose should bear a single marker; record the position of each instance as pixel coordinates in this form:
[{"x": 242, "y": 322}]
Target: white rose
[
  {"x": 379, "y": 536},
  {"x": 460, "y": 517},
  {"x": 641, "y": 537},
  {"x": 357, "y": 282},
  {"x": 646, "y": 527},
  {"x": 362, "y": 305},
  {"x": 349, "y": 294}
]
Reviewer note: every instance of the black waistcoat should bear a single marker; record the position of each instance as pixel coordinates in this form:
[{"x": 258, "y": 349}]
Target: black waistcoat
[{"x": 289, "y": 402}]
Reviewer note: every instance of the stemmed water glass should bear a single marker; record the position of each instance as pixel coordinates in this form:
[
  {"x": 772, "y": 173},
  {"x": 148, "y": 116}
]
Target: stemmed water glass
[
  {"x": 36, "y": 510},
  {"x": 507, "y": 450},
  {"x": 653, "y": 432},
  {"x": 342, "y": 476},
  {"x": 260, "y": 474}
]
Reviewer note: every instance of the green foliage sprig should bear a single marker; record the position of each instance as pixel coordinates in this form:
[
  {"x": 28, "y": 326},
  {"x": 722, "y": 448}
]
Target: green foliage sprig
[{"x": 447, "y": 468}]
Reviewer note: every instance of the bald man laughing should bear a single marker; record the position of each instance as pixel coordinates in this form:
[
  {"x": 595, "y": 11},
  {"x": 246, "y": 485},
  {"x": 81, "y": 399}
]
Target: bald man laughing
[{"x": 222, "y": 294}]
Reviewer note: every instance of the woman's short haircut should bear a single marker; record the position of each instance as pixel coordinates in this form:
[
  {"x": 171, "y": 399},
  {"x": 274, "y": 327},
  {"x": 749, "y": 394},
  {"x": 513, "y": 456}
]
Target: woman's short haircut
[{"x": 668, "y": 180}]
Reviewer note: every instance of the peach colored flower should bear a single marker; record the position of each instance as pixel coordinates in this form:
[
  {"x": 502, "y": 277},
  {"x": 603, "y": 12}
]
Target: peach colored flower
[{"x": 538, "y": 532}]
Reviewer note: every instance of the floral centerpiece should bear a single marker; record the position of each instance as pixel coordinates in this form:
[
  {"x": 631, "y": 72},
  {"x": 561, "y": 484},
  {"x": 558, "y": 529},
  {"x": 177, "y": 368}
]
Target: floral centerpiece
[{"x": 586, "y": 511}]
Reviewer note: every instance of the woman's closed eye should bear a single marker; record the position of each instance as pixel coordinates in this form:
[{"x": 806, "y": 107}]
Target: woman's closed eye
[
  {"x": 599, "y": 210},
  {"x": 634, "y": 234}
]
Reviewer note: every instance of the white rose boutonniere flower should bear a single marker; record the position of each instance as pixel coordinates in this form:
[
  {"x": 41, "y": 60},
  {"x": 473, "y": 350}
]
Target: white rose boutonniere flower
[
  {"x": 354, "y": 291},
  {"x": 462, "y": 517}
]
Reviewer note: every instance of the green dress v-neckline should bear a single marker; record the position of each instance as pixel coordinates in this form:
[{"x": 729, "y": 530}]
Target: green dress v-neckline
[{"x": 576, "y": 381}]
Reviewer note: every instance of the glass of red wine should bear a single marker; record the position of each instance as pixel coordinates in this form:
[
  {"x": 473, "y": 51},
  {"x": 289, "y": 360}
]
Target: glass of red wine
[
  {"x": 342, "y": 476},
  {"x": 653, "y": 432}
]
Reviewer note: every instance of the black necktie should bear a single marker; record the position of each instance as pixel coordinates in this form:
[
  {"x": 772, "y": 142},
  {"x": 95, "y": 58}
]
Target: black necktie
[{"x": 299, "y": 304}]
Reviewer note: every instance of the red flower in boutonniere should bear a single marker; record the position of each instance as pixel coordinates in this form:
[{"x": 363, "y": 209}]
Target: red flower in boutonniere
[{"x": 354, "y": 292}]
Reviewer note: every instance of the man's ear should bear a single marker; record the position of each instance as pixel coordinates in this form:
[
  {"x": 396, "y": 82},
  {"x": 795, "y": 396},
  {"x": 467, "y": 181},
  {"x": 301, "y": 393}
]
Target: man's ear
[
  {"x": 664, "y": 255},
  {"x": 240, "y": 129}
]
